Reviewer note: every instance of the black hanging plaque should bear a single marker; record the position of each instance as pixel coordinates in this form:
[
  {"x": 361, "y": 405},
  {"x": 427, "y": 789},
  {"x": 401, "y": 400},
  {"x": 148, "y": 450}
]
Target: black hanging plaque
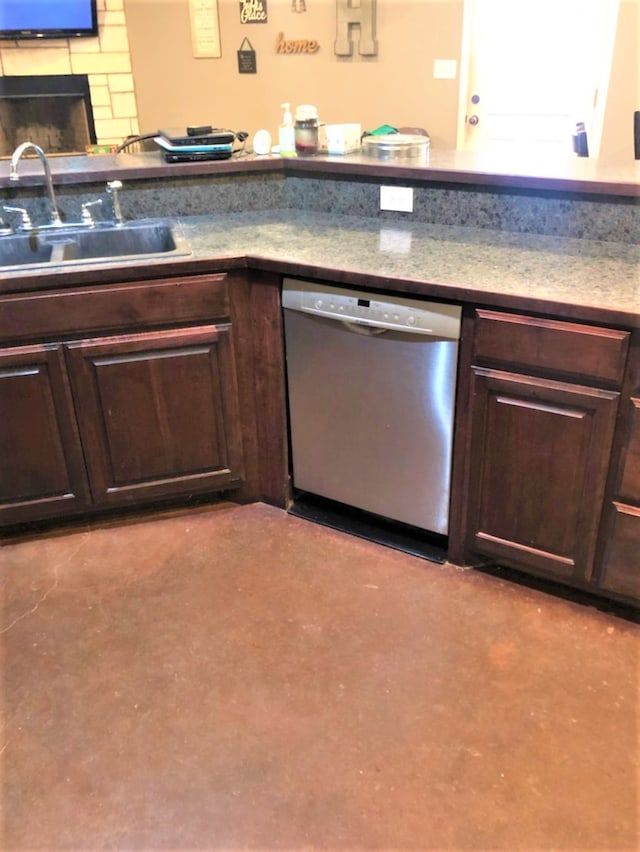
[{"x": 247, "y": 58}]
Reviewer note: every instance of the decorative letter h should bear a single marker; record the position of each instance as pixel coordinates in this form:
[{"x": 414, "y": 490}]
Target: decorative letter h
[{"x": 348, "y": 16}]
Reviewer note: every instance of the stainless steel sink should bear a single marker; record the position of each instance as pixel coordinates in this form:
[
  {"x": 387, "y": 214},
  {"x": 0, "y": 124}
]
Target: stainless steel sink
[
  {"x": 23, "y": 250},
  {"x": 104, "y": 243}
]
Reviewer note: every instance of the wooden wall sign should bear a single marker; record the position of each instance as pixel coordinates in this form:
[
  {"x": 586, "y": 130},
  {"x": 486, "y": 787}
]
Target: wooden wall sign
[
  {"x": 253, "y": 11},
  {"x": 205, "y": 29},
  {"x": 299, "y": 45},
  {"x": 348, "y": 16}
]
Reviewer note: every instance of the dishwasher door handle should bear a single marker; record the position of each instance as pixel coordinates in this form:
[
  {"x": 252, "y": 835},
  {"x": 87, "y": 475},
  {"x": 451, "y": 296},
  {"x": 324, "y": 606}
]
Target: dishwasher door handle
[{"x": 367, "y": 330}]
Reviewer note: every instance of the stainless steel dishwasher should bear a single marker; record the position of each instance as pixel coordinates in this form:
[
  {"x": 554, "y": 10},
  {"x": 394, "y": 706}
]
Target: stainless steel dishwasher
[{"x": 371, "y": 384}]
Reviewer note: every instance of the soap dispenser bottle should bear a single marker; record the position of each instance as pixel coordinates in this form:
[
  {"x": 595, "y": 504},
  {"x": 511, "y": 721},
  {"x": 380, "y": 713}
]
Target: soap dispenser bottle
[{"x": 286, "y": 135}]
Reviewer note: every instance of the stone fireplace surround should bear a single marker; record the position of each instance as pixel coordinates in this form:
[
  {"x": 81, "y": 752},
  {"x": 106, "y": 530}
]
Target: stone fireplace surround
[{"x": 105, "y": 60}]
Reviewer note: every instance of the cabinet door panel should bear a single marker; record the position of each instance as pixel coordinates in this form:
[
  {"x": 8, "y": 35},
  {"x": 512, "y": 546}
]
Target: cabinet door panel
[
  {"x": 622, "y": 562},
  {"x": 41, "y": 465},
  {"x": 540, "y": 454},
  {"x": 630, "y": 485},
  {"x": 158, "y": 413}
]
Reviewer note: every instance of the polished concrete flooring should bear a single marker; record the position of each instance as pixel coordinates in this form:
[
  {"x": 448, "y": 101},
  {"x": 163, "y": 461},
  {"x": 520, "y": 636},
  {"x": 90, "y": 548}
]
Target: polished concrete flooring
[{"x": 237, "y": 678}]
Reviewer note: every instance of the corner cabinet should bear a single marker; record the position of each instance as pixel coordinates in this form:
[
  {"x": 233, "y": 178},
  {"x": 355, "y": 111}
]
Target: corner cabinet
[
  {"x": 127, "y": 393},
  {"x": 618, "y": 569},
  {"x": 543, "y": 399}
]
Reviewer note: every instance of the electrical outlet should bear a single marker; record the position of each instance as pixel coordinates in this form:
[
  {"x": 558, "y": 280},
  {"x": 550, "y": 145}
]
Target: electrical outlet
[{"x": 399, "y": 198}]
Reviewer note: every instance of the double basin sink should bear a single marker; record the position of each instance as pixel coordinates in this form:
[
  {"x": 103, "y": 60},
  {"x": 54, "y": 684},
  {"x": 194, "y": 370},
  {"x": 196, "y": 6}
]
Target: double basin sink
[{"x": 64, "y": 246}]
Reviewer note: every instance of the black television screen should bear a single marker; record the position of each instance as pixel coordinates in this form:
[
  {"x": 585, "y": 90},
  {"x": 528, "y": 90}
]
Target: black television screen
[{"x": 47, "y": 18}]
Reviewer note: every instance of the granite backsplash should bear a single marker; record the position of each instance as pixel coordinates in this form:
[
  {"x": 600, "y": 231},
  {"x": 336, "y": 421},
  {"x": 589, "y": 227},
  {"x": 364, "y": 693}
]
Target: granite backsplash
[{"x": 563, "y": 214}]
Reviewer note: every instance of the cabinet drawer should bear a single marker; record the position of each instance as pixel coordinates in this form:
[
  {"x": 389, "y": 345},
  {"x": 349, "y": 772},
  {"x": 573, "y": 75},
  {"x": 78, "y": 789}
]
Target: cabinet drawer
[
  {"x": 630, "y": 482},
  {"x": 56, "y": 313},
  {"x": 550, "y": 346}
]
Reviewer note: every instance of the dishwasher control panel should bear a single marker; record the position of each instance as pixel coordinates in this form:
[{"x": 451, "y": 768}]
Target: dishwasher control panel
[{"x": 372, "y": 309}]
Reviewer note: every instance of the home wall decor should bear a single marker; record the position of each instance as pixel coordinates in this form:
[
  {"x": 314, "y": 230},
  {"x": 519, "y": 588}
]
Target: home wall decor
[
  {"x": 253, "y": 11},
  {"x": 205, "y": 29},
  {"x": 348, "y": 16},
  {"x": 299, "y": 45}
]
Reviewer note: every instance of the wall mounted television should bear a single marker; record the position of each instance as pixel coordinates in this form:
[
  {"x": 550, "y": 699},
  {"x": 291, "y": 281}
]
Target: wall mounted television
[{"x": 36, "y": 19}]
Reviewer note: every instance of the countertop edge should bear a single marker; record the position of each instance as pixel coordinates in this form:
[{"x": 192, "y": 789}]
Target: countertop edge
[{"x": 449, "y": 167}]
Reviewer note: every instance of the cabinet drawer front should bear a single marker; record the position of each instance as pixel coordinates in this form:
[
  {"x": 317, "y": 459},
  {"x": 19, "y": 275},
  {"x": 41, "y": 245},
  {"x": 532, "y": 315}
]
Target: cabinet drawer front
[
  {"x": 630, "y": 484},
  {"x": 114, "y": 306},
  {"x": 550, "y": 346}
]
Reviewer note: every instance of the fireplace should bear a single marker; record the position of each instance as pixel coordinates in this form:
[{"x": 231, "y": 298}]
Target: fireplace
[{"x": 53, "y": 111}]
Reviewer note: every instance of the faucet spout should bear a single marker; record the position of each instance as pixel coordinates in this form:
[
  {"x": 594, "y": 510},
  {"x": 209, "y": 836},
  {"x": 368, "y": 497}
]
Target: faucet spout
[{"x": 14, "y": 176}]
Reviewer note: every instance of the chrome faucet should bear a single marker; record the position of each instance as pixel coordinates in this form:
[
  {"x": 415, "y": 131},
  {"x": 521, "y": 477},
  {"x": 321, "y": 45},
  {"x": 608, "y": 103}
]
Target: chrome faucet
[
  {"x": 14, "y": 176},
  {"x": 113, "y": 188}
]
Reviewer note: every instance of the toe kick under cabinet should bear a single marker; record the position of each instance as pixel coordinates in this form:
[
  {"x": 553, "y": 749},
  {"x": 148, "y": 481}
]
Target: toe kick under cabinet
[
  {"x": 114, "y": 395},
  {"x": 545, "y": 409}
]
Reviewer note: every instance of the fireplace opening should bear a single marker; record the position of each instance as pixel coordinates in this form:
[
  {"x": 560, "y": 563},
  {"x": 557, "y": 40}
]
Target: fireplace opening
[{"x": 53, "y": 111}]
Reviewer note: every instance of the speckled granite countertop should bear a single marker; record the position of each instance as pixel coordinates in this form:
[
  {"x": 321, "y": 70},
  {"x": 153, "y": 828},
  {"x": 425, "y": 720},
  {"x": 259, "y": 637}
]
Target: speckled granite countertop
[
  {"x": 598, "y": 281},
  {"x": 578, "y": 279}
]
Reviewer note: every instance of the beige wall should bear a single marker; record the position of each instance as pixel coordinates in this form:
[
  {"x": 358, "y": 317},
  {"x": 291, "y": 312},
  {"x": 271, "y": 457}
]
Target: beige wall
[
  {"x": 395, "y": 87},
  {"x": 143, "y": 75},
  {"x": 105, "y": 59}
]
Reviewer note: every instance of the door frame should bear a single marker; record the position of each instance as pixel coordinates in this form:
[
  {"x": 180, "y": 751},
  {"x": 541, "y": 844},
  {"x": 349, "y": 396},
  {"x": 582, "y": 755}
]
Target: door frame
[{"x": 595, "y": 122}]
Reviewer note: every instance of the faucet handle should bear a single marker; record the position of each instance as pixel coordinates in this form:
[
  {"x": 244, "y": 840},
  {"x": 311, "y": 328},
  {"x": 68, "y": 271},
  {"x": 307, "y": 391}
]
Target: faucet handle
[
  {"x": 87, "y": 218},
  {"x": 113, "y": 187},
  {"x": 25, "y": 220}
]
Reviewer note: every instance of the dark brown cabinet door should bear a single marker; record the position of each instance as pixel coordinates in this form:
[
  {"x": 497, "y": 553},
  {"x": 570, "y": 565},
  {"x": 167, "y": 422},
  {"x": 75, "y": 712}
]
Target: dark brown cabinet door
[
  {"x": 620, "y": 563},
  {"x": 539, "y": 458},
  {"x": 158, "y": 413},
  {"x": 41, "y": 466},
  {"x": 621, "y": 572}
]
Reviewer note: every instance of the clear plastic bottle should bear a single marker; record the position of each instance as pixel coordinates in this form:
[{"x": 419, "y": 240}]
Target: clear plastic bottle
[
  {"x": 306, "y": 130},
  {"x": 286, "y": 133}
]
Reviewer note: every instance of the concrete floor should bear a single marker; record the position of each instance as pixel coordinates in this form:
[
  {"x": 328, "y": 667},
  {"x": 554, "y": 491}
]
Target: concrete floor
[{"x": 237, "y": 678}]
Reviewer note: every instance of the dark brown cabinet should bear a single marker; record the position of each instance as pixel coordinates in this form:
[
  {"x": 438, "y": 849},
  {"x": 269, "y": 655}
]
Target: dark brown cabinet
[
  {"x": 42, "y": 472},
  {"x": 542, "y": 400},
  {"x": 158, "y": 413},
  {"x": 619, "y": 559},
  {"x": 130, "y": 395},
  {"x": 540, "y": 452}
]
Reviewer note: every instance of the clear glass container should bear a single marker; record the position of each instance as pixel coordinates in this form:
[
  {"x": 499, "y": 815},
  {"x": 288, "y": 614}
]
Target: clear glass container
[{"x": 306, "y": 130}]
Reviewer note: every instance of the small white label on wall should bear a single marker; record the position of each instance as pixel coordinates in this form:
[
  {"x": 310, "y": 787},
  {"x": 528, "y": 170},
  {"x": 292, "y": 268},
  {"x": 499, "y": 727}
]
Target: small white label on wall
[{"x": 205, "y": 28}]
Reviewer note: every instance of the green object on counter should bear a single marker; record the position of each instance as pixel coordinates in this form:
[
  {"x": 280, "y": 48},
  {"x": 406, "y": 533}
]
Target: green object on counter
[{"x": 383, "y": 130}]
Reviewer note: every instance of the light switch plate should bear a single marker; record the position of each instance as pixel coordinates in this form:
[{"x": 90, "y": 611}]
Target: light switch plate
[
  {"x": 399, "y": 198},
  {"x": 445, "y": 69}
]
